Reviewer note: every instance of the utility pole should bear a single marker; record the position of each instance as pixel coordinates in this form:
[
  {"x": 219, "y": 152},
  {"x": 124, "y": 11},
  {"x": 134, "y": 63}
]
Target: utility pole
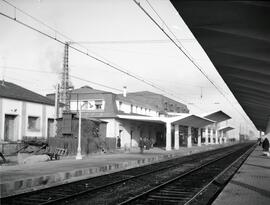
[
  {"x": 56, "y": 114},
  {"x": 56, "y": 102}
]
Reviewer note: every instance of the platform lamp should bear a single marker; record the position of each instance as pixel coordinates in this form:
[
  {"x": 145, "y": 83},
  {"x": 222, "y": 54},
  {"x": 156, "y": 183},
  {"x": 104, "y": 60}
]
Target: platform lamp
[{"x": 79, "y": 149}]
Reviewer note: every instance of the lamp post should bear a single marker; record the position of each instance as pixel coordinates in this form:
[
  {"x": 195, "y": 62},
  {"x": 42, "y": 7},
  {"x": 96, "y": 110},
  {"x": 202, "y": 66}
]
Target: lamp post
[{"x": 79, "y": 150}]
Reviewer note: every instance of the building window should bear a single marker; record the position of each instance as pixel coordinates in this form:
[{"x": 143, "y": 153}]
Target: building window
[
  {"x": 171, "y": 108},
  {"x": 33, "y": 123},
  {"x": 165, "y": 106},
  {"x": 131, "y": 108},
  {"x": 98, "y": 104},
  {"x": 120, "y": 105},
  {"x": 84, "y": 105}
]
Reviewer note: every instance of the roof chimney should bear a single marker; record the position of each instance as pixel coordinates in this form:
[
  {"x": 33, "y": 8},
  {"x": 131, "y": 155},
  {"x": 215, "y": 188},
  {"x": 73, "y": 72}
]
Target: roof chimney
[{"x": 125, "y": 91}]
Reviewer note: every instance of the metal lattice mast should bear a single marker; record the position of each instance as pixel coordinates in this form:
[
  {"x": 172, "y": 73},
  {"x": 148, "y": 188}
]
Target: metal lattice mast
[{"x": 65, "y": 97}]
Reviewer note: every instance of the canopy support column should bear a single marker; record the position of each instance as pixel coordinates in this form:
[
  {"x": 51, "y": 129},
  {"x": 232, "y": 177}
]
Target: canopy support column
[
  {"x": 268, "y": 126},
  {"x": 211, "y": 136},
  {"x": 176, "y": 137},
  {"x": 221, "y": 137},
  {"x": 189, "y": 142},
  {"x": 199, "y": 137},
  {"x": 206, "y": 136},
  {"x": 216, "y": 137},
  {"x": 225, "y": 137},
  {"x": 168, "y": 136}
]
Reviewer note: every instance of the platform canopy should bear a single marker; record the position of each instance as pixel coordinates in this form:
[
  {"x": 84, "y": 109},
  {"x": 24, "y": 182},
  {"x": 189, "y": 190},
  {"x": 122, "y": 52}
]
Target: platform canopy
[
  {"x": 225, "y": 129},
  {"x": 217, "y": 116},
  {"x": 184, "y": 119},
  {"x": 236, "y": 37},
  {"x": 190, "y": 120},
  {"x": 141, "y": 118}
]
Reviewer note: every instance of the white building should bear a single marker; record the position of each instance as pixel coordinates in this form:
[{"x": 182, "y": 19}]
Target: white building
[
  {"x": 24, "y": 113},
  {"x": 164, "y": 121}
]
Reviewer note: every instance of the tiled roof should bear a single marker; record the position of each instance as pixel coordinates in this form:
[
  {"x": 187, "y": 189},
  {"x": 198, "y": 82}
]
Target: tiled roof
[
  {"x": 148, "y": 99},
  {"x": 135, "y": 101},
  {"x": 16, "y": 92},
  {"x": 88, "y": 90}
]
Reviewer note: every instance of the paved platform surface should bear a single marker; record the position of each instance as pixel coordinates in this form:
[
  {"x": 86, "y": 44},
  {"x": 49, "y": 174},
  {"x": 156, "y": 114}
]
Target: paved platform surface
[
  {"x": 251, "y": 184},
  {"x": 25, "y": 177}
]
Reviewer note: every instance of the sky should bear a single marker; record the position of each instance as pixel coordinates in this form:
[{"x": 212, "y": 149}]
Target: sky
[{"x": 118, "y": 32}]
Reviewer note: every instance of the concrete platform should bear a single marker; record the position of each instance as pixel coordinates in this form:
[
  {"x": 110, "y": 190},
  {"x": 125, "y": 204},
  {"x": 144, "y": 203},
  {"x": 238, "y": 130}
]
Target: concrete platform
[
  {"x": 23, "y": 178},
  {"x": 251, "y": 184}
]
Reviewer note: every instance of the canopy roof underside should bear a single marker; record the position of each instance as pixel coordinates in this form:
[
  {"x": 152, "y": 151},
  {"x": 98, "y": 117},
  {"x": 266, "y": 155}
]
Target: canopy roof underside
[
  {"x": 236, "y": 37},
  {"x": 191, "y": 120},
  {"x": 185, "y": 120},
  {"x": 225, "y": 129},
  {"x": 217, "y": 116}
]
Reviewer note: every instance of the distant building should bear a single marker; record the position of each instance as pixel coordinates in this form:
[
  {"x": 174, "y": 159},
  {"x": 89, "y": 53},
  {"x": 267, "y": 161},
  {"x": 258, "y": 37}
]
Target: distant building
[
  {"x": 108, "y": 106},
  {"x": 24, "y": 113},
  {"x": 129, "y": 116},
  {"x": 151, "y": 116}
]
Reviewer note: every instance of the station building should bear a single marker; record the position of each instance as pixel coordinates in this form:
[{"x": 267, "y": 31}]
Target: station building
[
  {"x": 129, "y": 116},
  {"x": 24, "y": 113}
]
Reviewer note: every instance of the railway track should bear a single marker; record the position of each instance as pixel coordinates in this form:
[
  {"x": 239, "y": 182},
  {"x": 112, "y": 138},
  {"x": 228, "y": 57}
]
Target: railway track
[
  {"x": 192, "y": 186},
  {"x": 66, "y": 193}
]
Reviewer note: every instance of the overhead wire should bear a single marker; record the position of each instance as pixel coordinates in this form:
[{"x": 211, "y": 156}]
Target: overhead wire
[
  {"x": 200, "y": 69},
  {"x": 72, "y": 76},
  {"x": 42, "y": 23},
  {"x": 144, "y": 41},
  {"x": 68, "y": 39},
  {"x": 168, "y": 28},
  {"x": 172, "y": 40},
  {"x": 178, "y": 40},
  {"x": 190, "y": 58},
  {"x": 105, "y": 62},
  {"x": 55, "y": 72}
]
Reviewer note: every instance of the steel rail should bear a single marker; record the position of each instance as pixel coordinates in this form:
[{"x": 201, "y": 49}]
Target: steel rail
[
  {"x": 132, "y": 199},
  {"x": 174, "y": 161},
  {"x": 114, "y": 183},
  {"x": 244, "y": 155}
]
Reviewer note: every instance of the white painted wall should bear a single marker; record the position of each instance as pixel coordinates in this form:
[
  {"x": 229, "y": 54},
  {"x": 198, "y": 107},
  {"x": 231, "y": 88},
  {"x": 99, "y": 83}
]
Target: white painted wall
[
  {"x": 91, "y": 105},
  {"x": 50, "y": 114},
  {"x": 126, "y": 108},
  {"x": 112, "y": 128},
  {"x": 11, "y": 107},
  {"x": 35, "y": 110},
  {"x": 14, "y": 107}
]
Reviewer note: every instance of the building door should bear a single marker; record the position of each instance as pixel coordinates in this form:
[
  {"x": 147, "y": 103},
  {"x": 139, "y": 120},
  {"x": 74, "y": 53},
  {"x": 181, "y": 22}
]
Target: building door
[
  {"x": 119, "y": 139},
  {"x": 9, "y": 130},
  {"x": 131, "y": 136},
  {"x": 159, "y": 139},
  {"x": 50, "y": 128}
]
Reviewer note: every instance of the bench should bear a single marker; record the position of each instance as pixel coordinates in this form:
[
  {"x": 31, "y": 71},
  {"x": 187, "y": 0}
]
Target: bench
[{"x": 57, "y": 153}]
